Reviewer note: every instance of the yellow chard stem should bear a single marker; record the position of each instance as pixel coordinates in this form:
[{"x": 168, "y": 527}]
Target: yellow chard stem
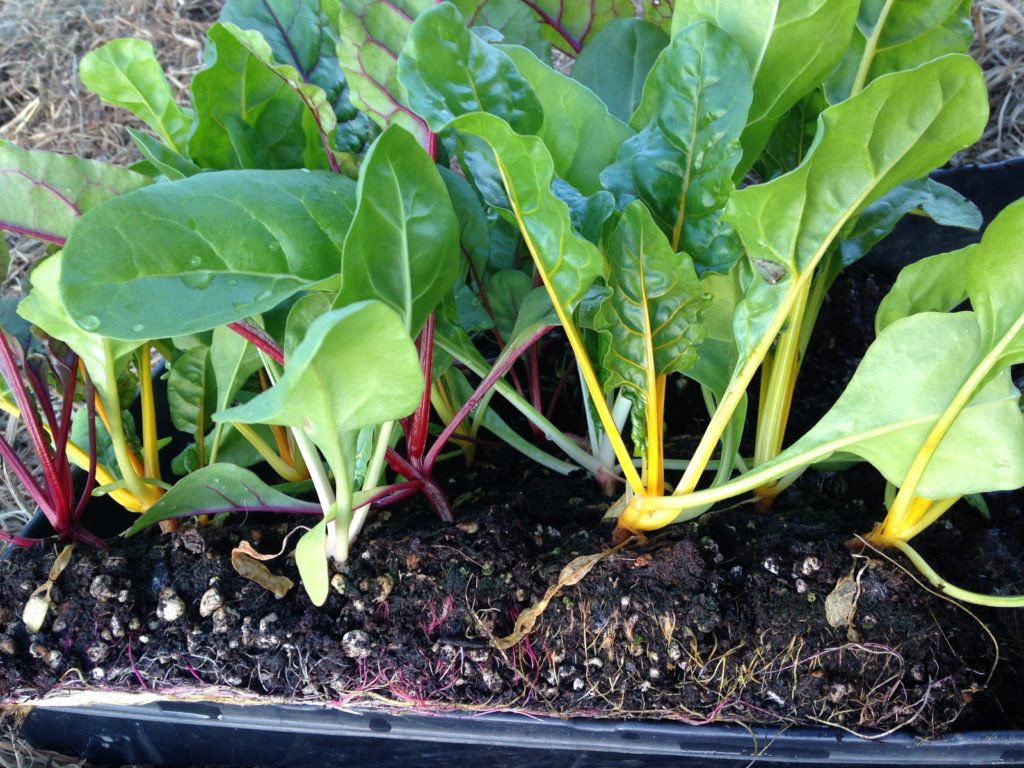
[
  {"x": 279, "y": 465},
  {"x": 579, "y": 350},
  {"x": 781, "y": 380},
  {"x": 150, "y": 454}
]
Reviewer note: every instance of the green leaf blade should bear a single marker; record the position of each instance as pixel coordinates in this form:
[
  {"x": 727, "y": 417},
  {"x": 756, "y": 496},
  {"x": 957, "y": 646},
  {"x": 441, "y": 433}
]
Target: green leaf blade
[
  {"x": 45, "y": 193},
  {"x": 226, "y": 245},
  {"x": 403, "y": 245},
  {"x": 791, "y": 48},
  {"x": 373, "y": 33},
  {"x": 654, "y": 314},
  {"x": 357, "y": 367},
  {"x": 616, "y": 62},
  {"x": 125, "y": 73},
  {"x": 252, "y": 112},
  {"x": 893, "y": 36},
  {"x": 216, "y": 489},
  {"x": 448, "y": 71},
  {"x": 570, "y": 263},
  {"x": 865, "y": 147},
  {"x": 582, "y": 136}
]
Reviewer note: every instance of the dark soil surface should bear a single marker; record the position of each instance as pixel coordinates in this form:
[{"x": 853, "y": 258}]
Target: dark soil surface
[{"x": 721, "y": 620}]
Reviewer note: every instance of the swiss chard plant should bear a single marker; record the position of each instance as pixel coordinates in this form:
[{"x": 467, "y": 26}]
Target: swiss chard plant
[{"x": 373, "y": 214}]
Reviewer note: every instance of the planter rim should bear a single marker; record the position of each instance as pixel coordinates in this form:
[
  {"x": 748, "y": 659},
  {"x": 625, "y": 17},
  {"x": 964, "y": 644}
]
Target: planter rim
[{"x": 590, "y": 742}]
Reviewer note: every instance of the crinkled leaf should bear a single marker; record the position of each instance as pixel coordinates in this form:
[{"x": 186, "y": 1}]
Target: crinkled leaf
[
  {"x": 653, "y": 315},
  {"x": 403, "y": 245},
  {"x": 890, "y": 36},
  {"x": 223, "y": 245},
  {"x": 905, "y": 382},
  {"x": 125, "y": 73},
  {"x": 191, "y": 394},
  {"x": 512, "y": 19},
  {"x": 569, "y": 26},
  {"x": 616, "y": 62},
  {"x": 940, "y": 203},
  {"x": 589, "y": 213},
  {"x": 304, "y": 35},
  {"x": 578, "y": 130},
  {"x": 791, "y": 46},
  {"x": 865, "y": 147},
  {"x": 681, "y": 163},
  {"x": 934, "y": 284},
  {"x": 568, "y": 263},
  {"x": 44, "y": 193},
  {"x": 448, "y": 71},
  {"x": 252, "y": 112},
  {"x": 373, "y": 33},
  {"x": 216, "y": 489}
]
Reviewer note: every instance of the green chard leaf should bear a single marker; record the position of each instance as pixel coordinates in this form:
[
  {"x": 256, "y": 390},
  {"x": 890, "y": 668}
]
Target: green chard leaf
[
  {"x": 570, "y": 25},
  {"x": 373, "y": 33},
  {"x": 569, "y": 264},
  {"x": 403, "y": 245},
  {"x": 930, "y": 366},
  {"x": 791, "y": 46},
  {"x": 578, "y": 130},
  {"x": 653, "y": 315},
  {"x": 890, "y": 36},
  {"x": 905, "y": 382},
  {"x": 225, "y": 245},
  {"x": 191, "y": 396},
  {"x": 356, "y": 367},
  {"x": 934, "y": 284},
  {"x": 125, "y": 73},
  {"x": 938, "y": 202},
  {"x": 865, "y": 147},
  {"x": 252, "y": 112},
  {"x": 304, "y": 35},
  {"x": 45, "y": 193},
  {"x": 616, "y": 62},
  {"x": 217, "y": 489},
  {"x": 164, "y": 159},
  {"x": 512, "y": 19},
  {"x": 448, "y": 71},
  {"x": 681, "y": 164}
]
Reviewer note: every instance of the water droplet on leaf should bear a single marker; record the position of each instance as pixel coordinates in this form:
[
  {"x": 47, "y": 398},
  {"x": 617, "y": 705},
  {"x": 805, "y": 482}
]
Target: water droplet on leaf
[
  {"x": 89, "y": 322},
  {"x": 138, "y": 328},
  {"x": 198, "y": 281}
]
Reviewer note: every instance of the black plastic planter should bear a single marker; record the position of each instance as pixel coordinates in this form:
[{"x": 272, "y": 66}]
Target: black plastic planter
[
  {"x": 188, "y": 733},
  {"x": 174, "y": 732}
]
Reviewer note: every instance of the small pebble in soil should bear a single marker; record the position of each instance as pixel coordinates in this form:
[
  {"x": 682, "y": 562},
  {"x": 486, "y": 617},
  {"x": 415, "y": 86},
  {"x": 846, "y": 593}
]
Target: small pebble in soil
[
  {"x": 810, "y": 565},
  {"x": 356, "y": 644},
  {"x": 102, "y": 588},
  {"x": 97, "y": 652},
  {"x": 210, "y": 602},
  {"x": 171, "y": 607}
]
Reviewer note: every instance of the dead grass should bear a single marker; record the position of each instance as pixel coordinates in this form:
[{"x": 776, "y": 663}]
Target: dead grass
[{"x": 999, "y": 48}]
